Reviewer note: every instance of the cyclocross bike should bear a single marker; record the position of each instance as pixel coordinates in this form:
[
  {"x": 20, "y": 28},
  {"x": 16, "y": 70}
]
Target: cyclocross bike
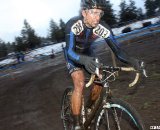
[{"x": 107, "y": 112}]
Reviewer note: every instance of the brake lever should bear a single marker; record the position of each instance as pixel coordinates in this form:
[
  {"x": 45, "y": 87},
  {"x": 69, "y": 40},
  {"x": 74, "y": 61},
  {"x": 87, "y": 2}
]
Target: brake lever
[
  {"x": 143, "y": 69},
  {"x": 97, "y": 70},
  {"x": 144, "y": 73}
]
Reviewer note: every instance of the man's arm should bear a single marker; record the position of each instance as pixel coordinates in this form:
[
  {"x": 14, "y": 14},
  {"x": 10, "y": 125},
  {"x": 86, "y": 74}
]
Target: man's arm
[
  {"x": 120, "y": 53},
  {"x": 87, "y": 61},
  {"x": 70, "y": 42}
]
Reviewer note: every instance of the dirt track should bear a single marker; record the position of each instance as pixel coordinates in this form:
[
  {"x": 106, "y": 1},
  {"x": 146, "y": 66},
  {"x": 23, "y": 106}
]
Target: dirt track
[{"x": 30, "y": 99}]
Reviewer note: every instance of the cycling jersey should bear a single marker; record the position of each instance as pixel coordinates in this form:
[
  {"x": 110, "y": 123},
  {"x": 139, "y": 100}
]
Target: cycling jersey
[{"x": 79, "y": 40}]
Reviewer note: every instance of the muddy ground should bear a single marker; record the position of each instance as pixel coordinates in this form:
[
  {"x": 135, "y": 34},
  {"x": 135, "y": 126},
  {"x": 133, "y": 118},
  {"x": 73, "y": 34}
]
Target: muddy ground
[{"x": 30, "y": 95}]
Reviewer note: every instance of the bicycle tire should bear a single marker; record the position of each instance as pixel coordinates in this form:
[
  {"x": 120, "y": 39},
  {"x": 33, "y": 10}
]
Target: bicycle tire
[
  {"x": 66, "y": 110},
  {"x": 118, "y": 115}
]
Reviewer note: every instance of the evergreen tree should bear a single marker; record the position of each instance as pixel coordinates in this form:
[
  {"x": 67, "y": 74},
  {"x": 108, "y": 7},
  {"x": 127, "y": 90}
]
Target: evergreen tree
[
  {"x": 132, "y": 9},
  {"x": 151, "y": 6},
  {"x": 61, "y": 33},
  {"x": 122, "y": 12},
  {"x": 157, "y": 2},
  {"x": 20, "y": 45},
  {"x": 3, "y": 49},
  {"x": 10, "y": 47},
  {"x": 62, "y": 24},
  {"x": 53, "y": 30},
  {"x": 109, "y": 16},
  {"x": 14, "y": 46},
  {"x": 136, "y": 12},
  {"x": 29, "y": 37},
  {"x": 129, "y": 12},
  {"x": 140, "y": 14}
]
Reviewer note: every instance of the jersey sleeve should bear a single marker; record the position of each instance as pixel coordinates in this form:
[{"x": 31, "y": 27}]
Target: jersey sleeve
[
  {"x": 70, "y": 42},
  {"x": 119, "y": 52}
]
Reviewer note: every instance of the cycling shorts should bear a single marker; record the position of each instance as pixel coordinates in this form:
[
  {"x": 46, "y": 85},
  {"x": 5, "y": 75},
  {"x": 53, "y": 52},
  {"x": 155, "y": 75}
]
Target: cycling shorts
[{"x": 73, "y": 66}]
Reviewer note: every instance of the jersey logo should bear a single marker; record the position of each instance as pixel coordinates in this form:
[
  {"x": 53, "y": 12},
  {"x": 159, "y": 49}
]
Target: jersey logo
[
  {"x": 77, "y": 27},
  {"x": 101, "y": 31}
]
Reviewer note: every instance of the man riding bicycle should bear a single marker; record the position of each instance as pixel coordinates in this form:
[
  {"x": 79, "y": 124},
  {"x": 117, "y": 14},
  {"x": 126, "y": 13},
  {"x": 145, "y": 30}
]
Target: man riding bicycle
[{"x": 81, "y": 31}]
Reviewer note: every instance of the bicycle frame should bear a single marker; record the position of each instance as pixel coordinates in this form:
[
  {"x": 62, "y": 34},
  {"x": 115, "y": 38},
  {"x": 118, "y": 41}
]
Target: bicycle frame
[
  {"x": 105, "y": 104},
  {"x": 103, "y": 97}
]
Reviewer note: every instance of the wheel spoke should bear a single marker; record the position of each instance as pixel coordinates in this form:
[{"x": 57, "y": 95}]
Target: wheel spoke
[
  {"x": 117, "y": 119},
  {"x": 107, "y": 118}
]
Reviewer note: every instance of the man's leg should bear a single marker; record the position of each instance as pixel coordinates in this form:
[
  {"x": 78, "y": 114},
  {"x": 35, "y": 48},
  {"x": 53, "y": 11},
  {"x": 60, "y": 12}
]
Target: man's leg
[
  {"x": 78, "y": 81},
  {"x": 95, "y": 92}
]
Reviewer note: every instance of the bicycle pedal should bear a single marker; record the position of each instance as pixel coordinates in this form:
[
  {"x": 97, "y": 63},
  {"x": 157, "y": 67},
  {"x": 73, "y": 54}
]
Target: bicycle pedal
[
  {"x": 89, "y": 110},
  {"x": 69, "y": 93}
]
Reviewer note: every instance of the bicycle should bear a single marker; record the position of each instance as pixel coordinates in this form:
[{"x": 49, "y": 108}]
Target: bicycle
[{"x": 107, "y": 112}]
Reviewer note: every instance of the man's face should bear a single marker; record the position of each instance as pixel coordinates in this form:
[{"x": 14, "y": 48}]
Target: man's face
[{"x": 92, "y": 17}]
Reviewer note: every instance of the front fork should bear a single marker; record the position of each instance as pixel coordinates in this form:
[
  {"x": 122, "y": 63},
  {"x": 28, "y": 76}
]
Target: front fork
[
  {"x": 106, "y": 93},
  {"x": 107, "y": 105}
]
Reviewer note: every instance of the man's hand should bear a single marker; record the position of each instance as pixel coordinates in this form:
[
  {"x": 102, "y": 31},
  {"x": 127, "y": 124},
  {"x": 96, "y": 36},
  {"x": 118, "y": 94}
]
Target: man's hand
[
  {"x": 140, "y": 66},
  {"x": 90, "y": 64},
  {"x": 137, "y": 65}
]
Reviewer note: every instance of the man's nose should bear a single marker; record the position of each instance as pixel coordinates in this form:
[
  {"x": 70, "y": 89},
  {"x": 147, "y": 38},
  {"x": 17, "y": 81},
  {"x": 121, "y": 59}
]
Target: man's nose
[{"x": 98, "y": 17}]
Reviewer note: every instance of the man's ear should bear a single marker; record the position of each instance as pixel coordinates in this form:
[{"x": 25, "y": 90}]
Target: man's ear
[{"x": 83, "y": 13}]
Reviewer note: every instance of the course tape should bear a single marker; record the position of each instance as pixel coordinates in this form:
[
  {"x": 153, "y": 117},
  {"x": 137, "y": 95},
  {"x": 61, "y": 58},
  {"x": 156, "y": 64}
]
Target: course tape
[{"x": 138, "y": 31}]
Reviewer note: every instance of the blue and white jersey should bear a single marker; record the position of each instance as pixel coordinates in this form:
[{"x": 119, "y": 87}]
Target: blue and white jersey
[{"x": 79, "y": 39}]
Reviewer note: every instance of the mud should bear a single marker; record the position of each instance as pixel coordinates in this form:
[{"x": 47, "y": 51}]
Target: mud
[{"x": 30, "y": 95}]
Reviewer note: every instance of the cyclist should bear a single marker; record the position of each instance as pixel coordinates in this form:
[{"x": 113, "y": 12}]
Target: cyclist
[{"x": 81, "y": 31}]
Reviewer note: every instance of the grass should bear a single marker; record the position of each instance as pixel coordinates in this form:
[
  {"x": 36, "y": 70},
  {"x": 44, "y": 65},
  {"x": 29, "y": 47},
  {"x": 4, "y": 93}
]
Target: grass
[{"x": 146, "y": 105}]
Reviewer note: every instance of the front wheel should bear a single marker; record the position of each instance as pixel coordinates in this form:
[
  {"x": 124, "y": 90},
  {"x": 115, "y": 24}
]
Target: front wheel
[
  {"x": 66, "y": 109},
  {"x": 118, "y": 115}
]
